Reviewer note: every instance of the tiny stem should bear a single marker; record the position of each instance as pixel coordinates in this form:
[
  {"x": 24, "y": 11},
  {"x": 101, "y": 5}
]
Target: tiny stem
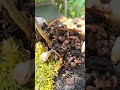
[{"x": 17, "y": 17}]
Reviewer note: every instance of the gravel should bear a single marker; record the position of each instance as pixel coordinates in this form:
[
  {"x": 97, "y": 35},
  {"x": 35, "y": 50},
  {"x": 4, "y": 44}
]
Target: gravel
[{"x": 78, "y": 73}]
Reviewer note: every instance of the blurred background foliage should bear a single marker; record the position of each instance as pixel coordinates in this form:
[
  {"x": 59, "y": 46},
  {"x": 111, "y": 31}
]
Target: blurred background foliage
[{"x": 69, "y": 8}]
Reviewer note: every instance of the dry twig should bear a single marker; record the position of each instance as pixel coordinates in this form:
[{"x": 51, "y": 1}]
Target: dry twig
[
  {"x": 17, "y": 17},
  {"x": 42, "y": 33}
]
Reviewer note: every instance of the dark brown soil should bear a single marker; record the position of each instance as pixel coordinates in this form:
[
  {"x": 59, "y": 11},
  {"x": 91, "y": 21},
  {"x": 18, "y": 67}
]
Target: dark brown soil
[{"x": 102, "y": 33}]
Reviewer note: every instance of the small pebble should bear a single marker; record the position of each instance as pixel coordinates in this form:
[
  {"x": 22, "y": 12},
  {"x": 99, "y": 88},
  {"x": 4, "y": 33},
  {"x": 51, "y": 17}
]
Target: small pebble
[
  {"x": 44, "y": 56},
  {"x": 70, "y": 81},
  {"x": 75, "y": 20},
  {"x": 66, "y": 41},
  {"x": 83, "y": 47},
  {"x": 83, "y": 30},
  {"x": 73, "y": 64},
  {"x": 56, "y": 57},
  {"x": 77, "y": 61}
]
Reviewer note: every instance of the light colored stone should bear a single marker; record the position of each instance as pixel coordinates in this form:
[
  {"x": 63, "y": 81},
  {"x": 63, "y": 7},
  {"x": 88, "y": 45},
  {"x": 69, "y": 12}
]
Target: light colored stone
[
  {"x": 44, "y": 56},
  {"x": 73, "y": 64},
  {"x": 70, "y": 81},
  {"x": 83, "y": 48},
  {"x": 77, "y": 61},
  {"x": 41, "y": 21},
  {"x": 83, "y": 31},
  {"x": 23, "y": 71},
  {"x": 115, "y": 54}
]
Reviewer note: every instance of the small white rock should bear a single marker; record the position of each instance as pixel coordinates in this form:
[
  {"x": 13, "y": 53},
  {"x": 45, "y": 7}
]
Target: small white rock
[
  {"x": 19, "y": 71},
  {"x": 81, "y": 23},
  {"x": 41, "y": 21},
  {"x": 69, "y": 20},
  {"x": 73, "y": 27},
  {"x": 44, "y": 56},
  {"x": 23, "y": 71},
  {"x": 64, "y": 19},
  {"x": 83, "y": 48},
  {"x": 83, "y": 30},
  {"x": 115, "y": 54}
]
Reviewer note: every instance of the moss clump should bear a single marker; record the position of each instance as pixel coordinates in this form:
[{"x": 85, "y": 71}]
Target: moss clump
[
  {"x": 44, "y": 72},
  {"x": 10, "y": 55}
]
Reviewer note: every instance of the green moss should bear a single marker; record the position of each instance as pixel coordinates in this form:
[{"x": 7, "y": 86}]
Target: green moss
[
  {"x": 44, "y": 72},
  {"x": 10, "y": 56}
]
